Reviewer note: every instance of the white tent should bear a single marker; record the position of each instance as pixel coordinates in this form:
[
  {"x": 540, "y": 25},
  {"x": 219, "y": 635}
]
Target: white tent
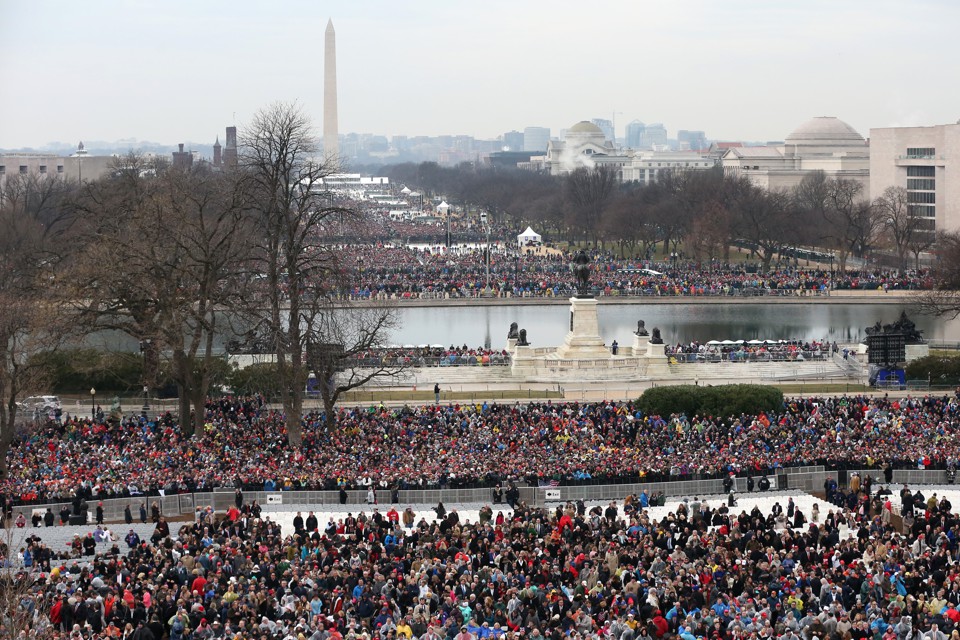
[
  {"x": 443, "y": 207},
  {"x": 529, "y": 236}
]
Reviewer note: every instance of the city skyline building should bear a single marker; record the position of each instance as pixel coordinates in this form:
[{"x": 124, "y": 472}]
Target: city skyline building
[
  {"x": 633, "y": 136},
  {"x": 331, "y": 142},
  {"x": 607, "y": 127},
  {"x": 921, "y": 160},
  {"x": 536, "y": 138},
  {"x": 654, "y": 135},
  {"x": 695, "y": 140},
  {"x": 512, "y": 141},
  {"x": 182, "y": 159},
  {"x": 230, "y": 149}
]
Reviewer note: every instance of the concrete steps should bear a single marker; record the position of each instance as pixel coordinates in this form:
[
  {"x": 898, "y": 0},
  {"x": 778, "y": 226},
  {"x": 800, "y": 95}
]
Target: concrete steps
[{"x": 426, "y": 377}]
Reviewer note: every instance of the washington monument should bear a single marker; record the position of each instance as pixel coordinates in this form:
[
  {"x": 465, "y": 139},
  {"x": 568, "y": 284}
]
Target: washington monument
[{"x": 331, "y": 146}]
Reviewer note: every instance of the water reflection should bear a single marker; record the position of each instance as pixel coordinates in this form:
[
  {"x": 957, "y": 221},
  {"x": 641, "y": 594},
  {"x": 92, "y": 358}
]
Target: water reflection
[{"x": 547, "y": 325}]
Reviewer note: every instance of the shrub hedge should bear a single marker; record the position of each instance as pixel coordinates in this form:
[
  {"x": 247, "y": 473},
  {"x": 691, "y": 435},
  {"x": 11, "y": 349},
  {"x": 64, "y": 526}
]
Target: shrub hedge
[
  {"x": 939, "y": 370},
  {"x": 721, "y": 400}
]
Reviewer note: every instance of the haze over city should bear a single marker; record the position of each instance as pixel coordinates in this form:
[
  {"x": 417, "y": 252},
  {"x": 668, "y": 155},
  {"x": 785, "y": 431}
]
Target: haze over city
[{"x": 176, "y": 71}]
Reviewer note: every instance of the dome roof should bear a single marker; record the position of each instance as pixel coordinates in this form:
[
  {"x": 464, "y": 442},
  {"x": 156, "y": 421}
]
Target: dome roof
[
  {"x": 585, "y": 127},
  {"x": 824, "y": 130}
]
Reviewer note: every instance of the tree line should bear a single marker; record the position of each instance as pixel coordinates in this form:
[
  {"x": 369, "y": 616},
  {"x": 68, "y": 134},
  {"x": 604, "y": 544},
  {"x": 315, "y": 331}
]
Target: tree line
[{"x": 704, "y": 210}]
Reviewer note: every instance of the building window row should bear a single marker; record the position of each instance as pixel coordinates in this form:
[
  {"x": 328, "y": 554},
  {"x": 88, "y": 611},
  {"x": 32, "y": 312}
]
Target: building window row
[
  {"x": 921, "y": 197},
  {"x": 921, "y": 184},
  {"x": 921, "y": 152},
  {"x": 921, "y": 172},
  {"x": 920, "y": 211},
  {"x": 24, "y": 169}
]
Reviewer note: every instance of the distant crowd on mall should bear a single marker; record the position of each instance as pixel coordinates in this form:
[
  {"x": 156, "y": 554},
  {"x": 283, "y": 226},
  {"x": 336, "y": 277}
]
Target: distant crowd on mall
[{"x": 376, "y": 271}]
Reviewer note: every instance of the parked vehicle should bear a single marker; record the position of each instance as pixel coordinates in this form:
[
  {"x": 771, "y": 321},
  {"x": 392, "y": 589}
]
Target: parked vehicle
[{"x": 44, "y": 403}]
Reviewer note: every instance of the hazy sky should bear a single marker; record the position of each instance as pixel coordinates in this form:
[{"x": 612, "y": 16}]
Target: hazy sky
[{"x": 177, "y": 70}]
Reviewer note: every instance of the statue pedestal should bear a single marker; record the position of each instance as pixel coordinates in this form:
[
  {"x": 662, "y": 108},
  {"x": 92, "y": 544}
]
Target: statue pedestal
[
  {"x": 583, "y": 341},
  {"x": 641, "y": 345},
  {"x": 657, "y": 351},
  {"x": 511, "y": 343}
]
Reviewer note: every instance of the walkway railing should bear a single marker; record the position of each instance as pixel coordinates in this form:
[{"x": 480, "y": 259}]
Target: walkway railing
[{"x": 809, "y": 478}]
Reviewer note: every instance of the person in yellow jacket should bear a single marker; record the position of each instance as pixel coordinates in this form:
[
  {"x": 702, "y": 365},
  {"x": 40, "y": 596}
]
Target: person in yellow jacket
[{"x": 404, "y": 630}]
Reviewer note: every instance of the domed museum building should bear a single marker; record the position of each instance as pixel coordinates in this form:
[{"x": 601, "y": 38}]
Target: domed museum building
[{"x": 824, "y": 143}]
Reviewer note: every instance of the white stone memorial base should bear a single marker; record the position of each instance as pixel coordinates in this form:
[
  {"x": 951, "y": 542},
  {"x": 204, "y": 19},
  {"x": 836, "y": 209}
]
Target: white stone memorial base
[{"x": 583, "y": 341}]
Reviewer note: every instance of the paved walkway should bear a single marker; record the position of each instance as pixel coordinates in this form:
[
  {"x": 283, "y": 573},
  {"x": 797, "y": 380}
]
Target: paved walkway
[{"x": 470, "y": 512}]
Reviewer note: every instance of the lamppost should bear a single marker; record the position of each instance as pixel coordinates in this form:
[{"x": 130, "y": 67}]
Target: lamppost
[
  {"x": 93, "y": 404},
  {"x": 144, "y": 347},
  {"x": 516, "y": 272},
  {"x": 360, "y": 269},
  {"x": 486, "y": 251}
]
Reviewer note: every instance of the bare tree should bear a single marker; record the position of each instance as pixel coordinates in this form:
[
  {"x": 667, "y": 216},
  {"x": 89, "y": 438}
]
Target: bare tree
[
  {"x": 32, "y": 245},
  {"x": 629, "y": 221},
  {"x": 24, "y": 608},
  {"x": 210, "y": 241},
  {"x": 161, "y": 250},
  {"x": 848, "y": 223},
  {"x": 906, "y": 231},
  {"x": 587, "y": 193},
  {"x": 922, "y": 239},
  {"x": 897, "y": 222},
  {"x": 351, "y": 332},
  {"x": 710, "y": 232},
  {"x": 290, "y": 208},
  {"x": 766, "y": 221},
  {"x": 944, "y": 298}
]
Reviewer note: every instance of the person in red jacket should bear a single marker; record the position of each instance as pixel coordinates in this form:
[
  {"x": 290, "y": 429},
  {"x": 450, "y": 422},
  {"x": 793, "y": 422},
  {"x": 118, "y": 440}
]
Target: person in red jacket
[
  {"x": 198, "y": 583},
  {"x": 660, "y": 623},
  {"x": 56, "y": 614}
]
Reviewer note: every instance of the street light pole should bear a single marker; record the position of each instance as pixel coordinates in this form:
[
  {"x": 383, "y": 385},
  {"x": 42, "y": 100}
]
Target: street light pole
[
  {"x": 360, "y": 269},
  {"x": 93, "y": 404},
  {"x": 516, "y": 273},
  {"x": 486, "y": 228},
  {"x": 488, "y": 259},
  {"x": 831, "y": 274}
]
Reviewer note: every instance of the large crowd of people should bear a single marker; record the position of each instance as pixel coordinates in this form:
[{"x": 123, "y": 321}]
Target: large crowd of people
[
  {"x": 752, "y": 351},
  {"x": 379, "y": 271},
  {"x": 244, "y": 445},
  {"x": 432, "y": 356},
  {"x": 574, "y": 572}
]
